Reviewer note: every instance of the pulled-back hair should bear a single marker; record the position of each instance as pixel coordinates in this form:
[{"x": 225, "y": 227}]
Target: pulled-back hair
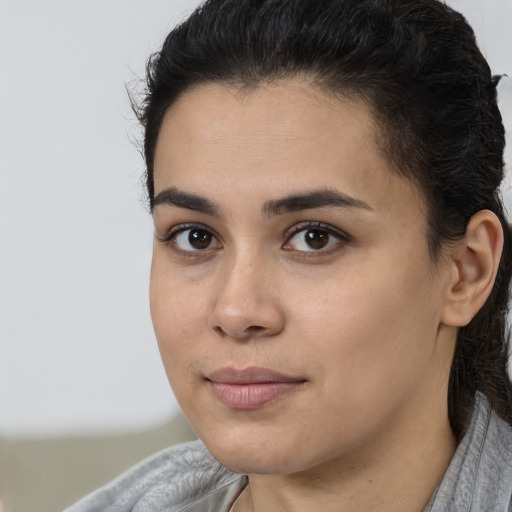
[{"x": 417, "y": 65}]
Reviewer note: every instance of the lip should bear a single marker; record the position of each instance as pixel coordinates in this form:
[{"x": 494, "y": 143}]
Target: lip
[{"x": 251, "y": 388}]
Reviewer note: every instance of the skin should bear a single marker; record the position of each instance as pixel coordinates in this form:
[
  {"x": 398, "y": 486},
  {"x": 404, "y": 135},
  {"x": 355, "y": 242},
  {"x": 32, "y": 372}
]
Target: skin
[{"x": 362, "y": 322}]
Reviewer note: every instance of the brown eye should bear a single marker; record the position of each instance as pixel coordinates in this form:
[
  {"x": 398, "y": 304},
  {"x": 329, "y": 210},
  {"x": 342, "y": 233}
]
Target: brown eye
[
  {"x": 199, "y": 238},
  {"x": 194, "y": 239},
  {"x": 316, "y": 238}
]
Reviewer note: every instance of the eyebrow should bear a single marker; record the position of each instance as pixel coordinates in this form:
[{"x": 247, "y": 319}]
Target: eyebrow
[
  {"x": 174, "y": 197},
  {"x": 312, "y": 199},
  {"x": 292, "y": 203}
]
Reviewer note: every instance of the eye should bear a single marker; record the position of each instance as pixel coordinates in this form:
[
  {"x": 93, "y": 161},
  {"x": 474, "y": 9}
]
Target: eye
[
  {"x": 194, "y": 239},
  {"x": 314, "y": 238},
  {"x": 185, "y": 239}
]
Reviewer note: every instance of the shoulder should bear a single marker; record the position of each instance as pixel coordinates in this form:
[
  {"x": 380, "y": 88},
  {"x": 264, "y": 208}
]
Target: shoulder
[
  {"x": 479, "y": 476},
  {"x": 163, "y": 481}
]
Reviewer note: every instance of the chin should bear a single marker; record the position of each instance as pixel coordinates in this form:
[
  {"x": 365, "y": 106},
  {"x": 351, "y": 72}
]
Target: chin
[
  {"x": 255, "y": 464},
  {"x": 250, "y": 455}
]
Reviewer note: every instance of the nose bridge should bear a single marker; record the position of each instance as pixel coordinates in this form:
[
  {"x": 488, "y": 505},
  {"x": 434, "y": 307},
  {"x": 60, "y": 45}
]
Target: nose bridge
[{"x": 246, "y": 305}]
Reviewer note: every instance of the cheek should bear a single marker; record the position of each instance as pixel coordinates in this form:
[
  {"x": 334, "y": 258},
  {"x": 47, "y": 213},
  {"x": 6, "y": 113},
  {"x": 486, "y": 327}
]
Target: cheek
[
  {"x": 179, "y": 314},
  {"x": 374, "y": 328}
]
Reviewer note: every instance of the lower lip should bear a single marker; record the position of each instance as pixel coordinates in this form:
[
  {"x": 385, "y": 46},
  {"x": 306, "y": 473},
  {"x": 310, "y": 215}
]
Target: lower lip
[{"x": 246, "y": 397}]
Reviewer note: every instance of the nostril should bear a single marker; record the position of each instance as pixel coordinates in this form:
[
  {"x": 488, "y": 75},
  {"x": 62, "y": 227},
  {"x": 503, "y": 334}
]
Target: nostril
[
  {"x": 253, "y": 331},
  {"x": 255, "y": 318},
  {"x": 255, "y": 328},
  {"x": 218, "y": 330}
]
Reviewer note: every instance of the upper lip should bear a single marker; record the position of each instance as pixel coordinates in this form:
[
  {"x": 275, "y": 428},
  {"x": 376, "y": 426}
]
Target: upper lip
[{"x": 252, "y": 375}]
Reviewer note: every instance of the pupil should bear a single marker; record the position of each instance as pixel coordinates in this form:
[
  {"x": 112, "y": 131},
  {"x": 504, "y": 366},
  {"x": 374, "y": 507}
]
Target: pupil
[
  {"x": 199, "y": 239},
  {"x": 317, "y": 239}
]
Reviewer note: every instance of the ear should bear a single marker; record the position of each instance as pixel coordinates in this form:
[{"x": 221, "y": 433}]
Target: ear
[{"x": 474, "y": 263}]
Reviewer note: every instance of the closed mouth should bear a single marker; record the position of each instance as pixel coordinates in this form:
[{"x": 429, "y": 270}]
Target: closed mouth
[{"x": 251, "y": 388}]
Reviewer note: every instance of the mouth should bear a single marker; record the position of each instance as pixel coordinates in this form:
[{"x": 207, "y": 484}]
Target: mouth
[{"x": 252, "y": 388}]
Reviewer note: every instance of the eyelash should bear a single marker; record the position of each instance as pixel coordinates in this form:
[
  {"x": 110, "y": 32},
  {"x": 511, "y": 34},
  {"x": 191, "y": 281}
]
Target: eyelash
[
  {"x": 175, "y": 231},
  {"x": 341, "y": 236}
]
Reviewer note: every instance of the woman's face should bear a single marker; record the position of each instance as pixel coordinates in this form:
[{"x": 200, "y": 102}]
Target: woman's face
[{"x": 296, "y": 307}]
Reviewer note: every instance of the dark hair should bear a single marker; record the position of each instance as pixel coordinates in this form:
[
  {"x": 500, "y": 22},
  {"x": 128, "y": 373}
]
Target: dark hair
[{"x": 416, "y": 63}]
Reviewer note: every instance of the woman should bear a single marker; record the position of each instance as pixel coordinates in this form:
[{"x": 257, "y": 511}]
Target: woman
[{"x": 331, "y": 262}]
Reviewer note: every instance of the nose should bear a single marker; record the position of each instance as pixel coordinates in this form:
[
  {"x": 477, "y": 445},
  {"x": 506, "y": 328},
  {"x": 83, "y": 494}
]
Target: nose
[{"x": 247, "y": 305}]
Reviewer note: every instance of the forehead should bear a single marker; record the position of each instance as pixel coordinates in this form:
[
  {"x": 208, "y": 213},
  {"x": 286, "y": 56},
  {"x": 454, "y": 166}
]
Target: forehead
[
  {"x": 279, "y": 105},
  {"x": 279, "y": 137}
]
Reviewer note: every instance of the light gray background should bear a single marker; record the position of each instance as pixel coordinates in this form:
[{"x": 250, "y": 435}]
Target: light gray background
[{"x": 77, "y": 350}]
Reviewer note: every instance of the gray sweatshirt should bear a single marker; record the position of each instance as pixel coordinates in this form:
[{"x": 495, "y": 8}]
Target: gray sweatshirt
[{"x": 186, "y": 478}]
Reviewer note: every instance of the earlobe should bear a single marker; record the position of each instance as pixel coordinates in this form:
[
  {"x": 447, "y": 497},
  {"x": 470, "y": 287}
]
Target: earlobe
[{"x": 474, "y": 264}]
